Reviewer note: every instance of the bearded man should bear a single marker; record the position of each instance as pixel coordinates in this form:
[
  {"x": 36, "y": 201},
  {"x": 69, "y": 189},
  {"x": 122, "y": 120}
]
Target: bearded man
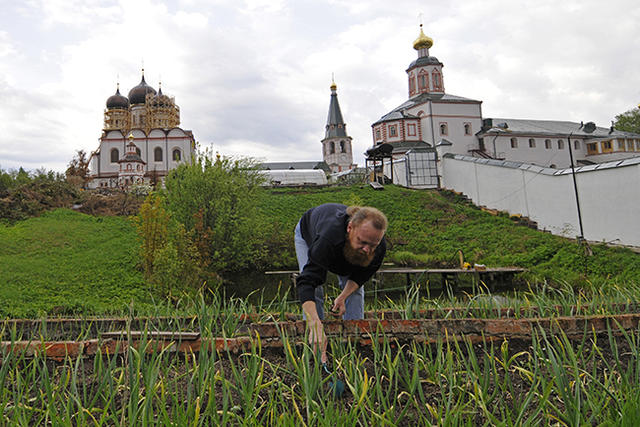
[{"x": 347, "y": 241}]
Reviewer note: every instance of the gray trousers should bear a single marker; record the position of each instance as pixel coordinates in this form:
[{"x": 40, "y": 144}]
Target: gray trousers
[{"x": 354, "y": 303}]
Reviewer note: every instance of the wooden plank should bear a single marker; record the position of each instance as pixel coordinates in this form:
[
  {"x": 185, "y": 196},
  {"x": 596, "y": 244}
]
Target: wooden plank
[
  {"x": 450, "y": 270},
  {"x": 165, "y": 335},
  {"x": 376, "y": 185}
]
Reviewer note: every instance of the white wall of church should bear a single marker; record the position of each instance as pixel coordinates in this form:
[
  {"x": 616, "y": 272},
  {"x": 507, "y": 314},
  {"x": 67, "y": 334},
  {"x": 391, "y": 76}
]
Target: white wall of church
[{"x": 608, "y": 197}]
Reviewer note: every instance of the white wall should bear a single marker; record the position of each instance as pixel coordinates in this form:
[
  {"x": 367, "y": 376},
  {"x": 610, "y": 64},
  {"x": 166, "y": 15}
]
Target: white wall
[{"x": 608, "y": 195}]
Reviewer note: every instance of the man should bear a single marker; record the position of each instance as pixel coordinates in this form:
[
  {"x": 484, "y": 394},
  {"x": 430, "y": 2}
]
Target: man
[{"x": 347, "y": 241}]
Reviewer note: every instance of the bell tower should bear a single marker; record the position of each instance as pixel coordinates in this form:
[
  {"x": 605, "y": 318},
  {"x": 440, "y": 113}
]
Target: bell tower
[{"x": 336, "y": 145}]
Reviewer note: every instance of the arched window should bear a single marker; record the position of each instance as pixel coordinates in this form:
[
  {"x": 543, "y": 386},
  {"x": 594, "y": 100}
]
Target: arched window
[
  {"x": 332, "y": 148},
  {"x": 138, "y": 152},
  {"x": 514, "y": 142},
  {"x": 423, "y": 81},
  {"x": 547, "y": 144},
  {"x": 467, "y": 129},
  {"x": 342, "y": 149},
  {"x": 129, "y": 166},
  {"x": 157, "y": 154},
  {"x": 176, "y": 155},
  {"x": 437, "y": 80},
  {"x": 560, "y": 144},
  {"x": 443, "y": 129},
  {"x": 532, "y": 143},
  {"x": 115, "y": 155},
  {"x": 412, "y": 83}
]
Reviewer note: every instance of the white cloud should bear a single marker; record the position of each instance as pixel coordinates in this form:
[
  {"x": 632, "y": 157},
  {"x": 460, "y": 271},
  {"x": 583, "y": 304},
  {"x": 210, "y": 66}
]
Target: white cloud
[{"x": 253, "y": 77}]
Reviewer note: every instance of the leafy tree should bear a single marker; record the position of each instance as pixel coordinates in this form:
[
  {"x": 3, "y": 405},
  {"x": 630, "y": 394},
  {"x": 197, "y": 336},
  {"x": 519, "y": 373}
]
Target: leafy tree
[
  {"x": 216, "y": 201},
  {"x": 629, "y": 121},
  {"x": 78, "y": 169}
]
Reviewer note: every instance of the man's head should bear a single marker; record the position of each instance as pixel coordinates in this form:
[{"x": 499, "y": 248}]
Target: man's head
[{"x": 365, "y": 230}]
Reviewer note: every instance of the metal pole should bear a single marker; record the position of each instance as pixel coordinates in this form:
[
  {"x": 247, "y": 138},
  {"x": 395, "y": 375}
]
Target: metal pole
[
  {"x": 575, "y": 189},
  {"x": 495, "y": 155}
]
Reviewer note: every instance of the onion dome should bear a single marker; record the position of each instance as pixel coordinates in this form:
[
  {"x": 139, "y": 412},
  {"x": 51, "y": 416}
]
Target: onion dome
[
  {"x": 137, "y": 94},
  {"x": 117, "y": 100},
  {"x": 423, "y": 41}
]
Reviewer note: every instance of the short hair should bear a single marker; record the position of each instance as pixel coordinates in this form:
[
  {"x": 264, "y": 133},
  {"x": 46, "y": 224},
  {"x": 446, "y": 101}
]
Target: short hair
[{"x": 359, "y": 214}]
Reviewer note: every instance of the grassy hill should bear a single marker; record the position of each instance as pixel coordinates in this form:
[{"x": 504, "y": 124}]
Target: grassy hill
[{"x": 65, "y": 262}]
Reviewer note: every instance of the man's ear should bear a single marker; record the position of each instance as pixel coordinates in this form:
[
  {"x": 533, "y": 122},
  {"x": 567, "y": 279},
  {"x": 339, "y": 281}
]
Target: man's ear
[{"x": 349, "y": 227}]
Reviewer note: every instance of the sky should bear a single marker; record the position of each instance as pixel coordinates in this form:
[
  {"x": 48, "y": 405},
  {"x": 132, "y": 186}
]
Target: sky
[{"x": 252, "y": 77}]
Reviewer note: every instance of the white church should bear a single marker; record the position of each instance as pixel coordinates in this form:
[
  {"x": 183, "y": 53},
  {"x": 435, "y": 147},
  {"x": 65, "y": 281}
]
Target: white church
[
  {"x": 141, "y": 139},
  {"x": 454, "y": 124},
  {"x": 571, "y": 178}
]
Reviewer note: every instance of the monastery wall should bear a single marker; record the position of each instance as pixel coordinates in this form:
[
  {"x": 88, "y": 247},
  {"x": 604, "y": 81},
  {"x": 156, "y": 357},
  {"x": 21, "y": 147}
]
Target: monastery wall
[{"x": 607, "y": 192}]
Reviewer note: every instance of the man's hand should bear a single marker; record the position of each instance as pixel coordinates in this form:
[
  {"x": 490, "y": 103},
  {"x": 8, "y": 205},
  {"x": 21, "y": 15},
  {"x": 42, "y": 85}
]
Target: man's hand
[
  {"x": 338, "y": 308},
  {"x": 317, "y": 338}
]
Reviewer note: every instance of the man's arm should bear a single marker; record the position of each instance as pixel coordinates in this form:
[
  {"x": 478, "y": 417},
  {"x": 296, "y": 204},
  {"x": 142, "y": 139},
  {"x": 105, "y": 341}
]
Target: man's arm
[
  {"x": 317, "y": 338},
  {"x": 339, "y": 304}
]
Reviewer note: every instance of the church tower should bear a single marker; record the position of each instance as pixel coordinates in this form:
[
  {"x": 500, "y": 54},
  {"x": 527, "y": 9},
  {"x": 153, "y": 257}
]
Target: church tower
[
  {"x": 425, "y": 73},
  {"x": 336, "y": 145}
]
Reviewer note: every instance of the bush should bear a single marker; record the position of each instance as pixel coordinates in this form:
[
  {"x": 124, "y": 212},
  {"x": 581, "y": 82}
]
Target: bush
[
  {"x": 216, "y": 201},
  {"x": 23, "y": 195}
]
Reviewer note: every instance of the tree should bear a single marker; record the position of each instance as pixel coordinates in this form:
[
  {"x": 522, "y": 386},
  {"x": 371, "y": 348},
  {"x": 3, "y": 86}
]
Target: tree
[
  {"x": 216, "y": 201},
  {"x": 78, "y": 169},
  {"x": 629, "y": 121}
]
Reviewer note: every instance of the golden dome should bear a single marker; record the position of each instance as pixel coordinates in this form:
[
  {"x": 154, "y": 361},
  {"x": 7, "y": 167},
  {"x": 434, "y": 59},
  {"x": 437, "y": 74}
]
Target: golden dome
[
  {"x": 333, "y": 86},
  {"x": 422, "y": 41}
]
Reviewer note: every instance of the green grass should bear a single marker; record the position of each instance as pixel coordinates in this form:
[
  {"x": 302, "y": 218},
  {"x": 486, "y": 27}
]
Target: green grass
[
  {"x": 69, "y": 263},
  {"x": 65, "y": 263}
]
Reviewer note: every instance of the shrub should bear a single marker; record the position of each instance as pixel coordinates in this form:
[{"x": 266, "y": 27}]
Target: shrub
[{"x": 216, "y": 201}]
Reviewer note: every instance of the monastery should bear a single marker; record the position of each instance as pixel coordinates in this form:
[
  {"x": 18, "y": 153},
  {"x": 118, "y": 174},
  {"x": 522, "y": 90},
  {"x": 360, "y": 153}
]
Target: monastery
[{"x": 141, "y": 139}]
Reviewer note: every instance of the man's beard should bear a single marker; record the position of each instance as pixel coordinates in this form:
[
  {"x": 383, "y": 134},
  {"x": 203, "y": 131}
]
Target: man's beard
[{"x": 355, "y": 257}]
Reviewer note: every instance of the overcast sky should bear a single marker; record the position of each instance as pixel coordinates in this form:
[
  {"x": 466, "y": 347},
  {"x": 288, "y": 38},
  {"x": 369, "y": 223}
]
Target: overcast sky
[{"x": 252, "y": 77}]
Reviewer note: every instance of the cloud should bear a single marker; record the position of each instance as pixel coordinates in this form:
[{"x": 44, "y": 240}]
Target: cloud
[{"x": 252, "y": 77}]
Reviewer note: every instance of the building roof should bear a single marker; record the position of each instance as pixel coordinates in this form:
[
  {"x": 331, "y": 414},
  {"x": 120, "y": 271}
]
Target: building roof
[
  {"x": 551, "y": 128},
  {"x": 295, "y": 177},
  {"x": 295, "y": 165},
  {"x": 399, "y": 112},
  {"x": 336, "y": 127},
  {"x": 543, "y": 170}
]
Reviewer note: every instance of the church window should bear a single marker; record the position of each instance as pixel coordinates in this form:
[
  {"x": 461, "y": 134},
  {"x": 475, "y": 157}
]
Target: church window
[
  {"x": 129, "y": 167},
  {"x": 592, "y": 148},
  {"x": 576, "y": 145},
  {"x": 412, "y": 83},
  {"x": 621, "y": 144},
  {"x": 532, "y": 143},
  {"x": 560, "y": 144},
  {"x": 606, "y": 146},
  {"x": 115, "y": 155},
  {"x": 332, "y": 147},
  {"x": 444, "y": 129},
  {"x": 467, "y": 128},
  {"x": 393, "y": 130},
  {"x": 411, "y": 129},
  {"x": 138, "y": 152},
  {"x": 157, "y": 154},
  {"x": 514, "y": 142},
  {"x": 437, "y": 80},
  {"x": 377, "y": 134},
  {"x": 177, "y": 156},
  {"x": 423, "y": 81},
  {"x": 342, "y": 148},
  {"x": 547, "y": 144}
]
